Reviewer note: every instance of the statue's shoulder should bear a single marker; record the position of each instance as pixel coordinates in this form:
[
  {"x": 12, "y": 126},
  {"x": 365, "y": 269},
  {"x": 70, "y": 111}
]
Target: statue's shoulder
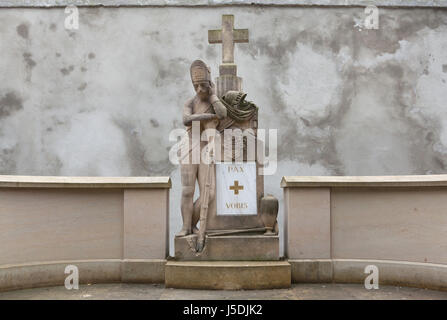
[{"x": 189, "y": 102}]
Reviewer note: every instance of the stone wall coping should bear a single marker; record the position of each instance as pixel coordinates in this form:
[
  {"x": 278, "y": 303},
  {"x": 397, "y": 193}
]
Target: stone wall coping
[
  {"x": 12, "y": 181},
  {"x": 214, "y": 3},
  {"x": 438, "y": 180}
]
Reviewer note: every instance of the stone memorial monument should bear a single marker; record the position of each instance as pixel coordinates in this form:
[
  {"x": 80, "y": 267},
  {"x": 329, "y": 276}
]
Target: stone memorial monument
[{"x": 231, "y": 219}]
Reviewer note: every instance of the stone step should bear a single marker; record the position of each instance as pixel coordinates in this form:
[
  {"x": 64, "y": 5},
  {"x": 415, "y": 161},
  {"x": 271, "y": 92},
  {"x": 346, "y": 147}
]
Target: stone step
[{"x": 227, "y": 275}]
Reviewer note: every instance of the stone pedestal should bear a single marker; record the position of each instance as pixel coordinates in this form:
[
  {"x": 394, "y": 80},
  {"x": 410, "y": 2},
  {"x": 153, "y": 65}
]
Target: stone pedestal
[
  {"x": 228, "y": 275},
  {"x": 229, "y": 248},
  {"x": 228, "y": 79}
]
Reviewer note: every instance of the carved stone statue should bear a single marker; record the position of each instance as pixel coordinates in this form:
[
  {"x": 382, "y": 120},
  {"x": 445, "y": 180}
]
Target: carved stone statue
[
  {"x": 223, "y": 107},
  {"x": 208, "y": 109}
]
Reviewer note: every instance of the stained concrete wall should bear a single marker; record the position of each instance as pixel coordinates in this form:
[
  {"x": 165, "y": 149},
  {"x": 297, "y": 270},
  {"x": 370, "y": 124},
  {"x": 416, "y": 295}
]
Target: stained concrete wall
[{"x": 101, "y": 100}]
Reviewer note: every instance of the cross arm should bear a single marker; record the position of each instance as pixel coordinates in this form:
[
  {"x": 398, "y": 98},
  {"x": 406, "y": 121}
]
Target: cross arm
[
  {"x": 240, "y": 35},
  {"x": 215, "y": 36}
]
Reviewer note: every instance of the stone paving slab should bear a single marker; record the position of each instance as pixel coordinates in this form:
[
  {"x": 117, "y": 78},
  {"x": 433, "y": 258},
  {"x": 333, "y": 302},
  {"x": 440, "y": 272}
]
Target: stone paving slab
[{"x": 159, "y": 292}]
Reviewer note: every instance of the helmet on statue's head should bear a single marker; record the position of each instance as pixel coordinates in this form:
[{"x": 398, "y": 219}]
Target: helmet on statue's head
[{"x": 234, "y": 98}]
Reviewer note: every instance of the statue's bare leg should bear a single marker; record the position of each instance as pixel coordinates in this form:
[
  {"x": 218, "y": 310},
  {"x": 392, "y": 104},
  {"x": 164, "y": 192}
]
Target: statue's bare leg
[
  {"x": 202, "y": 180},
  {"x": 196, "y": 215},
  {"x": 189, "y": 176}
]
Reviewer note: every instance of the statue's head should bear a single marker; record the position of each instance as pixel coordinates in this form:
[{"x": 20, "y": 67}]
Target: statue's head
[{"x": 201, "y": 79}]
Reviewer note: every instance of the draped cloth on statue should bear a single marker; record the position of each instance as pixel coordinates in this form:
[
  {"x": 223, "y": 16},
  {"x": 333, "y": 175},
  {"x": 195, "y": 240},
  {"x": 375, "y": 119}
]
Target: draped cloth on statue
[{"x": 241, "y": 114}]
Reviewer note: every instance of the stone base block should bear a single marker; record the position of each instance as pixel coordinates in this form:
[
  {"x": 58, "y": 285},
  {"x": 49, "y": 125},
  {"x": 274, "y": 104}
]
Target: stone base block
[
  {"x": 312, "y": 271},
  {"x": 143, "y": 271},
  {"x": 229, "y": 248},
  {"x": 227, "y": 275}
]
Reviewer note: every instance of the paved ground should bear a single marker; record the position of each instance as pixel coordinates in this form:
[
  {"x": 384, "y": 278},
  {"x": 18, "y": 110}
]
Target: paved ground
[{"x": 159, "y": 292}]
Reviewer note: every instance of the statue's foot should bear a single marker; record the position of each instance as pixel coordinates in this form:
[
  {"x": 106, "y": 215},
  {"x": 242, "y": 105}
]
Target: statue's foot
[
  {"x": 200, "y": 246},
  {"x": 195, "y": 230},
  {"x": 183, "y": 232}
]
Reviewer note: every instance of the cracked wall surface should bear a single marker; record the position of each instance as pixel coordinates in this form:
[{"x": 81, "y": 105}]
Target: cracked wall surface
[{"x": 101, "y": 100}]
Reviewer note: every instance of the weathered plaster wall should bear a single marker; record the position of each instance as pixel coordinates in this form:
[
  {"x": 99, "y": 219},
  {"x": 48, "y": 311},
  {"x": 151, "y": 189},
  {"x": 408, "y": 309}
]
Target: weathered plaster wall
[{"x": 101, "y": 101}]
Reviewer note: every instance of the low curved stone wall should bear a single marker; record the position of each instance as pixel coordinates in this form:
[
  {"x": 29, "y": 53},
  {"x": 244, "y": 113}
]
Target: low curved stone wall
[
  {"x": 397, "y": 273},
  {"x": 115, "y": 229},
  {"x": 336, "y": 226},
  {"x": 52, "y": 273},
  {"x": 112, "y": 229}
]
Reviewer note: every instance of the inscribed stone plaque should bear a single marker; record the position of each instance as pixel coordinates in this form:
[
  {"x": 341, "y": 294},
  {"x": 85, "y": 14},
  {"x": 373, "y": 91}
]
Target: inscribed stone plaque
[{"x": 236, "y": 188}]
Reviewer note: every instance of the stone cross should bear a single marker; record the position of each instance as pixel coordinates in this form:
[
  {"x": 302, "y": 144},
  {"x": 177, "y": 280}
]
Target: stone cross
[{"x": 228, "y": 36}]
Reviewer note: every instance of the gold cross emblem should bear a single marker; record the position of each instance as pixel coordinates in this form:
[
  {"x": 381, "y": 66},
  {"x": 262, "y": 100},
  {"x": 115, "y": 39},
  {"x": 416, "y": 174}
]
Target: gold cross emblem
[{"x": 236, "y": 187}]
